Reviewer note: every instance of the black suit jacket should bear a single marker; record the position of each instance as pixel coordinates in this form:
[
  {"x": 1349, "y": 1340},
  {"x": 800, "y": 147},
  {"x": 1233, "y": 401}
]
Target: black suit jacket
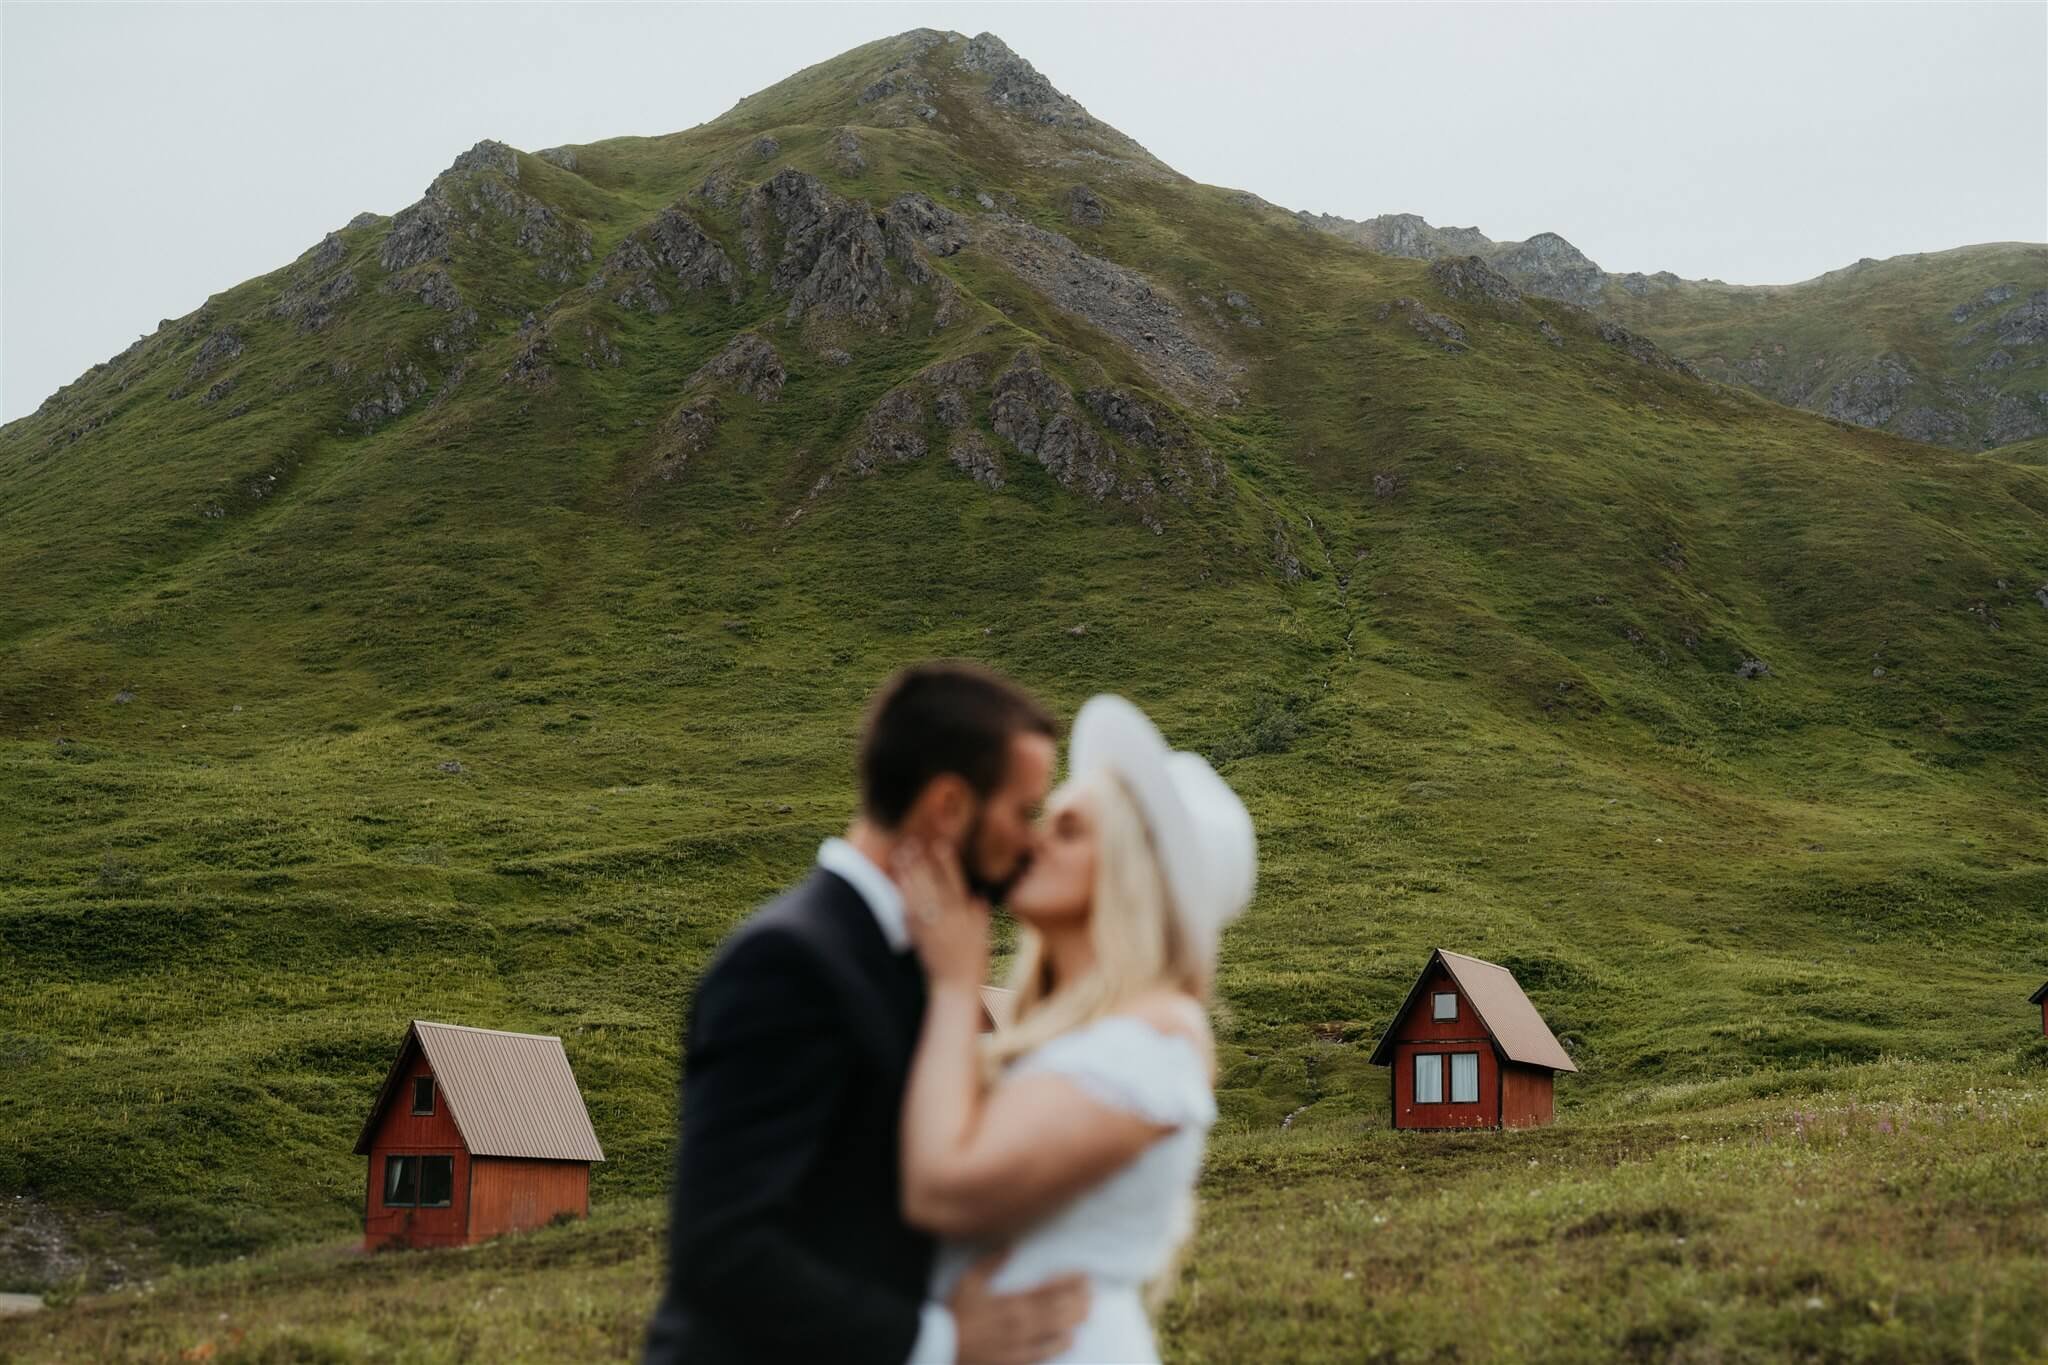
[{"x": 786, "y": 1232}]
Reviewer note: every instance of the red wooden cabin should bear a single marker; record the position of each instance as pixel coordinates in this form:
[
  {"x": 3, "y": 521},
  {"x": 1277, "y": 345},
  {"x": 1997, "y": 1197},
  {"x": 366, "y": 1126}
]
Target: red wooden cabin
[
  {"x": 1468, "y": 1050},
  {"x": 2040, "y": 998},
  {"x": 475, "y": 1133}
]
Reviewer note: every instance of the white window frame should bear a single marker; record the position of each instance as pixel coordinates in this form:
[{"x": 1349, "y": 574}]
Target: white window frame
[
  {"x": 1435, "y": 1072},
  {"x": 1436, "y": 1005},
  {"x": 1471, "y": 1073}
]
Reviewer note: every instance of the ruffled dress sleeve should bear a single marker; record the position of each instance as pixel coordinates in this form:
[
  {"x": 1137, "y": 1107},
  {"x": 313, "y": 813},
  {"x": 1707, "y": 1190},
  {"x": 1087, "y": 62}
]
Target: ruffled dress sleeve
[{"x": 1125, "y": 1063}]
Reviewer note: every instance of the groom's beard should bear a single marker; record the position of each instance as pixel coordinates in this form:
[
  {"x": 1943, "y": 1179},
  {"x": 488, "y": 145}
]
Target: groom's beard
[{"x": 993, "y": 892}]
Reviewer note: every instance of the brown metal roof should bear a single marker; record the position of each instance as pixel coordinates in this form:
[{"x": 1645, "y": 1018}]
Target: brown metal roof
[
  {"x": 1496, "y": 997},
  {"x": 510, "y": 1094},
  {"x": 2038, "y": 996}
]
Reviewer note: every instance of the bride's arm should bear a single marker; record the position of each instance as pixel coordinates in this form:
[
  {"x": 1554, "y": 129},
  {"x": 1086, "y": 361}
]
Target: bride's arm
[{"x": 976, "y": 1163}]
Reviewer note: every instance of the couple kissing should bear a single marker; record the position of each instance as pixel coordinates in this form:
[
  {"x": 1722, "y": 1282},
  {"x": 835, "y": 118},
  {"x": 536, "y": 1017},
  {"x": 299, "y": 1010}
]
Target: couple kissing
[{"x": 863, "y": 1175}]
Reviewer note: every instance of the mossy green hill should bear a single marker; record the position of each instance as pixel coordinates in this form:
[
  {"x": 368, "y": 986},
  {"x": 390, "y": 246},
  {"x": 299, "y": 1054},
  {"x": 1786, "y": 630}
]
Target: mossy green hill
[{"x": 469, "y": 621}]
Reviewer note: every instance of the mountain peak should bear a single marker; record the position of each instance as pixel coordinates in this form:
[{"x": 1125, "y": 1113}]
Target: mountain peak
[{"x": 950, "y": 83}]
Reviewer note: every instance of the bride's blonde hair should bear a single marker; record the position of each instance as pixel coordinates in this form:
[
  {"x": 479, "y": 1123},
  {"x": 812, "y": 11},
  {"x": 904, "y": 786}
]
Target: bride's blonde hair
[{"x": 1139, "y": 943}]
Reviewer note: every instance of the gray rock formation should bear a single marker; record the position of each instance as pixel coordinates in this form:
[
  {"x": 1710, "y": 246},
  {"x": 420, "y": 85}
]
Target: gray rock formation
[
  {"x": 671, "y": 250},
  {"x": 1643, "y": 350},
  {"x": 396, "y": 386},
  {"x": 216, "y": 351},
  {"x": 1469, "y": 277},
  {"x": 825, "y": 253},
  {"x": 480, "y": 185},
  {"x": 1120, "y": 302},
  {"x": 1874, "y": 395},
  {"x": 1547, "y": 264},
  {"x": 748, "y": 365},
  {"x": 971, "y": 453},
  {"x": 846, "y": 153},
  {"x": 1015, "y": 85},
  {"x": 1084, "y": 207},
  {"x": 1432, "y": 327}
]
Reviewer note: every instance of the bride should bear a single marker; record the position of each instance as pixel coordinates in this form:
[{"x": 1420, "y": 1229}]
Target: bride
[{"x": 1073, "y": 1136}]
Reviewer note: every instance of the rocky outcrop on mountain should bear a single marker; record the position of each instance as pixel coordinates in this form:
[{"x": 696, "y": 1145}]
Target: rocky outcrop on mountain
[
  {"x": 1017, "y": 85},
  {"x": 1107, "y": 444},
  {"x": 2014, "y": 418},
  {"x": 395, "y": 387},
  {"x": 1873, "y": 396},
  {"x": 1547, "y": 264},
  {"x": 748, "y": 365},
  {"x": 1084, "y": 207},
  {"x": 914, "y": 224},
  {"x": 478, "y": 188},
  {"x": 1643, "y": 350},
  {"x": 1941, "y": 426},
  {"x": 418, "y": 233},
  {"x": 1469, "y": 277},
  {"x": 318, "y": 283},
  {"x": 1431, "y": 327},
  {"x": 1401, "y": 234},
  {"x": 565, "y": 157},
  {"x": 488, "y": 155},
  {"x": 2024, "y": 324},
  {"x": 897, "y": 427},
  {"x": 533, "y": 360},
  {"x": 846, "y": 153},
  {"x": 825, "y": 253},
  {"x": 684, "y": 434},
  {"x": 1120, "y": 302},
  {"x": 1636, "y": 283},
  {"x": 971, "y": 453},
  {"x": 430, "y": 285},
  {"x": 671, "y": 250},
  {"x": 215, "y": 351},
  {"x": 906, "y": 76}
]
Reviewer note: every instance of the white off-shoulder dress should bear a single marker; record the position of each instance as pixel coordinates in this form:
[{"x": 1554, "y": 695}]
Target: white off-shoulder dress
[{"x": 1121, "y": 1233}]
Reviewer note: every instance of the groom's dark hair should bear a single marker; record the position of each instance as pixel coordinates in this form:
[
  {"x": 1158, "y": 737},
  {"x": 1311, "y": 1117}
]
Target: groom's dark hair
[{"x": 945, "y": 717}]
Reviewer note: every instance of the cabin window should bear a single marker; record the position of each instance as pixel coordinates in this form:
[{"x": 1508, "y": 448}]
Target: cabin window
[
  {"x": 1464, "y": 1078},
  {"x": 401, "y": 1182},
  {"x": 423, "y": 1094},
  {"x": 1444, "y": 1005},
  {"x": 437, "y": 1181},
  {"x": 423, "y": 1182},
  {"x": 1429, "y": 1078}
]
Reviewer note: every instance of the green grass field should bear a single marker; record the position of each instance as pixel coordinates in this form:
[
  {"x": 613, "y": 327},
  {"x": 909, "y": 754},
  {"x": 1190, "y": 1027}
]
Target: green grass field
[{"x": 465, "y": 717}]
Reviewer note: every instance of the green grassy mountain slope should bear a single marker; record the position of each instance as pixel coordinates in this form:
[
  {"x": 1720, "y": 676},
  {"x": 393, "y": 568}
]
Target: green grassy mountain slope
[
  {"x": 469, "y": 621},
  {"x": 1945, "y": 346}
]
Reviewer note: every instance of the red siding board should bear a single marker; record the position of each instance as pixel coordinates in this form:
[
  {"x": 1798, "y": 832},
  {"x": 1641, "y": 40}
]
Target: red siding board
[
  {"x": 1527, "y": 1096},
  {"x": 517, "y": 1192}
]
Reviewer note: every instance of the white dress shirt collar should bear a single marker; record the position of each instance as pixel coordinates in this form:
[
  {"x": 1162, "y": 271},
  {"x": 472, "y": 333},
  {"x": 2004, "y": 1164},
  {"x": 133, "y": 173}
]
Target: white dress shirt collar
[{"x": 883, "y": 897}]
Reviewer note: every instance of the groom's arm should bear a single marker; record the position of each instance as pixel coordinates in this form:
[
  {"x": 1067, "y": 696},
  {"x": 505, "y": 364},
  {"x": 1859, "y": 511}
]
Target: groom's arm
[{"x": 765, "y": 1073}]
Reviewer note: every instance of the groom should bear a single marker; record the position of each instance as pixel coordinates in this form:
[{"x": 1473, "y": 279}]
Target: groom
[{"x": 786, "y": 1236}]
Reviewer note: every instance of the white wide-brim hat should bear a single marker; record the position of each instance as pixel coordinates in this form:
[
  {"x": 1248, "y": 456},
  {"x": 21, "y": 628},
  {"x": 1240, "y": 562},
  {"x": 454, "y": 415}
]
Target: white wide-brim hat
[{"x": 1200, "y": 829}]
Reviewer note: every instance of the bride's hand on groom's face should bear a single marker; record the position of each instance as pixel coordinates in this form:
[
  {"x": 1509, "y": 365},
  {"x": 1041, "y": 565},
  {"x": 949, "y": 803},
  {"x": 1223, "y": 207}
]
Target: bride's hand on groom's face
[{"x": 948, "y": 924}]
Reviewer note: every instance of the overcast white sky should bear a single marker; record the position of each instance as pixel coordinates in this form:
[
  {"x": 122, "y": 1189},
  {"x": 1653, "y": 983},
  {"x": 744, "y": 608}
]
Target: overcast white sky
[{"x": 153, "y": 155}]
